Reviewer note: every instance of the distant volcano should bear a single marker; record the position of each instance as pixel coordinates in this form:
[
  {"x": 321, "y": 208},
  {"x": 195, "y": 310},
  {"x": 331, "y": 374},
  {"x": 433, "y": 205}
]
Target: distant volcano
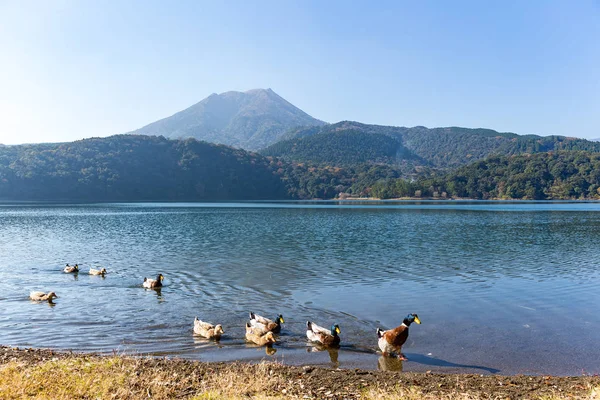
[{"x": 251, "y": 120}]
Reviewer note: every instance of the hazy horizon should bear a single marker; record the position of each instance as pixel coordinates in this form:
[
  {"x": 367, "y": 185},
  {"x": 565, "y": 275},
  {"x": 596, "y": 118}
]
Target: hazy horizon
[{"x": 76, "y": 70}]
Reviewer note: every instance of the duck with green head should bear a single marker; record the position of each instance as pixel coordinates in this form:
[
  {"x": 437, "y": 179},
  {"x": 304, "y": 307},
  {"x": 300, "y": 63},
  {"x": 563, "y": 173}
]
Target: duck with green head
[
  {"x": 391, "y": 341},
  {"x": 153, "y": 283},
  {"x": 71, "y": 269},
  {"x": 327, "y": 337},
  {"x": 261, "y": 324}
]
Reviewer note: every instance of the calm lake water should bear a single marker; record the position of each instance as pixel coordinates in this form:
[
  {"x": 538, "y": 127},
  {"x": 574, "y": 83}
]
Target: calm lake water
[{"x": 501, "y": 287}]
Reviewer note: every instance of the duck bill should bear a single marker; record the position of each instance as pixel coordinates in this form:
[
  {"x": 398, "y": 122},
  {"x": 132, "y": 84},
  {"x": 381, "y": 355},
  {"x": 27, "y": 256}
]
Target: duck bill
[
  {"x": 417, "y": 320},
  {"x": 337, "y": 329}
]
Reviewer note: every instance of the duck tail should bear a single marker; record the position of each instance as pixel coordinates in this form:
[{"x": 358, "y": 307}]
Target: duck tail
[
  {"x": 145, "y": 279},
  {"x": 252, "y": 316},
  {"x": 380, "y": 332},
  {"x": 309, "y": 325}
]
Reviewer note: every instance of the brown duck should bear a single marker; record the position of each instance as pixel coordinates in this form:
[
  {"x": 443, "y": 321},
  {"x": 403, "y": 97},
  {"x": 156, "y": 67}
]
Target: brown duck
[{"x": 391, "y": 341}]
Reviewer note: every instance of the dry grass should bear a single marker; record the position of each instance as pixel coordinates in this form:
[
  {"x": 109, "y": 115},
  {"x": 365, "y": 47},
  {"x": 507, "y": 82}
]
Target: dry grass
[
  {"x": 137, "y": 378},
  {"x": 128, "y": 378}
]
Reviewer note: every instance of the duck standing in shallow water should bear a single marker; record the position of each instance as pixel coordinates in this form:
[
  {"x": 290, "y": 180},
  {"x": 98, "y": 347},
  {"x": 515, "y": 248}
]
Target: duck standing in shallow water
[
  {"x": 71, "y": 269},
  {"x": 391, "y": 341},
  {"x": 100, "y": 272},
  {"x": 207, "y": 330},
  {"x": 257, "y": 338},
  {"x": 41, "y": 296},
  {"x": 264, "y": 325},
  {"x": 153, "y": 283},
  {"x": 327, "y": 337}
]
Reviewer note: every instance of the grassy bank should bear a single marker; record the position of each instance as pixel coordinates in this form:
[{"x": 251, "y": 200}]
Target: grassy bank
[{"x": 44, "y": 374}]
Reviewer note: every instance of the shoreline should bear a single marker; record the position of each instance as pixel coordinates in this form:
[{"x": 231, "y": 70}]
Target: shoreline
[{"x": 59, "y": 374}]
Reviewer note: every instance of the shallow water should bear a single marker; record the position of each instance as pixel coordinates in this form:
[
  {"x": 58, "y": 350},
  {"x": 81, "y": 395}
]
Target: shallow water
[{"x": 501, "y": 287}]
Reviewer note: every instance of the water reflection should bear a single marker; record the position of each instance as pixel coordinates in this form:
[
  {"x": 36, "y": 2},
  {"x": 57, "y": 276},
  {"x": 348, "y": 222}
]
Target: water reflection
[
  {"x": 333, "y": 352},
  {"x": 389, "y": 363}
]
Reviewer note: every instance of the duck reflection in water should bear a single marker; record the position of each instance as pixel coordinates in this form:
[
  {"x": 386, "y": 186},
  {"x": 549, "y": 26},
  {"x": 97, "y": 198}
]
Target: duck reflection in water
[
  {"x": 333, "y": 353},
  {"x": 270, "y": 350},
  {"x": 389, "y": 364}
]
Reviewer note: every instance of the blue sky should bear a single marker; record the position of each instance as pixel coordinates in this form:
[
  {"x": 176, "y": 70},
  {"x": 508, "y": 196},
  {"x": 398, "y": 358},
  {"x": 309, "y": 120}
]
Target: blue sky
[{"x": 72, "y": 69}]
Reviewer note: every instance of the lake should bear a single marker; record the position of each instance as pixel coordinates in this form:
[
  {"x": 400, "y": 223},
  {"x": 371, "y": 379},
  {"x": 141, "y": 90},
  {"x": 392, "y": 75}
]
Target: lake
[{"x": 501, "y": 287}]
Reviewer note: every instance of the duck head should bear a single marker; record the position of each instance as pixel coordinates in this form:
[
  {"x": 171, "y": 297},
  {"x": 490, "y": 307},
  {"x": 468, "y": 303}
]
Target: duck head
[
  {"x": 160, "y": 277},
  {"x": 335, "y": 329},
  {"x": 51, "y": 296},
  {"x": 279, "y": 319},
  {"x": 410, "y": 318},
  {"x": 219, "y": 329}
]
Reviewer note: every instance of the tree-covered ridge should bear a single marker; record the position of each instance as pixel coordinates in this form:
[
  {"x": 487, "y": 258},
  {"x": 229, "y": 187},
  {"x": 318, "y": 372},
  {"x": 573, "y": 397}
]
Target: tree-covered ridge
[
  {"x": 341, "y": 148},
  {"x": 134, "y": 167},
  {"x": 542, "y": 176},
  {"x": 440, "y": 147}
]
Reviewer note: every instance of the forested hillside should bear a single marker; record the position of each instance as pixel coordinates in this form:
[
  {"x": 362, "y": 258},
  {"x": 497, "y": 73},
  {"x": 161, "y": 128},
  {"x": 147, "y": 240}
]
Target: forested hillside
[
  {"x": 134, "y": 167},
  {"x": 342, "y": 148},
  {"x": 437, "y": 148},
  {"x": 543, "y": 176}
]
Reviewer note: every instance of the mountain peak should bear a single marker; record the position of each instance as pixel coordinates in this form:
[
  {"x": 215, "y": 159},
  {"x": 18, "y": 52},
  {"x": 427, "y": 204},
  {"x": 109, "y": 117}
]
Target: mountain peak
[{"x": 251, "y": 120}]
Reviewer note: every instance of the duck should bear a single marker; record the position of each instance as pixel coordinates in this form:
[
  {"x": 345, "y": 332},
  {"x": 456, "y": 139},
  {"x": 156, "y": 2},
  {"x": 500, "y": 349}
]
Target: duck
[
  {"x": 257, "y": 338},
  {"x": 327, "y": 337},
  {"x": 391, "y": 341},
  {"x": 41, "y": 296},
  {"x": 153, "y": 283},
  {"x": 262, "y": 324},
  {"x": 101, "y": 272},
  {"x": 207, "y": 330},
  {"x": 71, "y": 269}
]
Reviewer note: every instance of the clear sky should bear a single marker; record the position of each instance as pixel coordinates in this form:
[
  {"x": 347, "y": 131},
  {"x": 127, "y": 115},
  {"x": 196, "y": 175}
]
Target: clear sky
[{"x": 72, "y": 69}]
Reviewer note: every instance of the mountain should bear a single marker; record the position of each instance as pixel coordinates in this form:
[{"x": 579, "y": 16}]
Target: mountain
[
  {"x": 136, "y": 168},
  {"x": 250, "y": 120},
  {"x": 438, "y": 147}
]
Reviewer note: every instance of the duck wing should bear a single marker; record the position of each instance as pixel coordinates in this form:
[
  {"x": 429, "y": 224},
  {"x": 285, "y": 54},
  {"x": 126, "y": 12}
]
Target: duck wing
[
  {"x": 311, "y": 326},
  {"x": 397, "y": 336},
  {"x": 260, "y": 319}
]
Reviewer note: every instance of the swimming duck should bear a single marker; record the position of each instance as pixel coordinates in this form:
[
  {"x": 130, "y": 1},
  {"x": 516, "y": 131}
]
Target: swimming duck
[
  {"x": 98, "y": 271},
  {"x": 257, "y": 338},
  {"x": 41, "y": 296},
  {"x": 153, "y": 283},
  {"x": 71, "y": 269},
  {"x": 207, "y": 330},
  {"x": 391, "y": 341},
  {"x": 327, "y": 337},
  {"x": 262, "y": 324}
]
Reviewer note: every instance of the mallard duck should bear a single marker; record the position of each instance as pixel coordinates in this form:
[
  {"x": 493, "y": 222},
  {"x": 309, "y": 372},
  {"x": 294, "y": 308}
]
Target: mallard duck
[
  {"x": 41, "y": 296},
  {"x": 207, "y": 330},
  {"x": 262, "y": 324},
  {"x": 71, "y": 269},
  {"x": 153, "y": 283},
  {"x": 98, "y": 271},
  {"x": 257, "y": 338},
  {"x": 391, "y": 341},
  {"x": 327, "y": 337}
]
